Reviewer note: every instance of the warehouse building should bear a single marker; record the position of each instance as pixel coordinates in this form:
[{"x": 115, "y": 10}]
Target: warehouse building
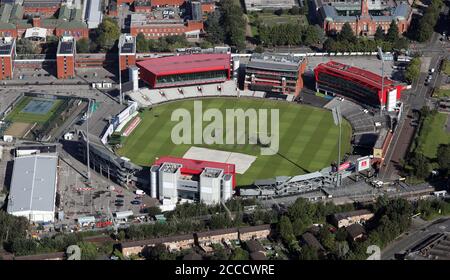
[
  {"x": 185, "y": 70},
  {"x": 173, "y": 179},
  {"x": 275, "y": 73},
  {"x": 33, "y": 188},
  {"x": 334, "y": 78}
]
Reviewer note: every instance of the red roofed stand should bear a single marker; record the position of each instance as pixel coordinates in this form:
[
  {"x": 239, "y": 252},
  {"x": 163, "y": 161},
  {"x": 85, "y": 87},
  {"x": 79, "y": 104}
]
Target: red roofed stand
[
  {"x": 185, "y": 70},
  {"x": 195, "y": 167}
]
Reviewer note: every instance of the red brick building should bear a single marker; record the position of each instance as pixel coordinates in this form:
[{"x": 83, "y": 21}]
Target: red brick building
[
  {"x": 127, "y": 51},
  {"x": 65, "y": 58},
  {"x": 280, "y": 74},
  {"x": 7, "y": 55},
  {"x": 155, "y": 28},
  {"x": 365, "y": 24},
  {"x": 46, "y": 8},
  {"x": 15, "y": 23}
]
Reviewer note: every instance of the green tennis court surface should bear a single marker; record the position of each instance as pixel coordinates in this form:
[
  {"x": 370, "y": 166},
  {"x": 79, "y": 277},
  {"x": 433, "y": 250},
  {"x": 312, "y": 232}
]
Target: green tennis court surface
[{"x": 32, "y": 109}]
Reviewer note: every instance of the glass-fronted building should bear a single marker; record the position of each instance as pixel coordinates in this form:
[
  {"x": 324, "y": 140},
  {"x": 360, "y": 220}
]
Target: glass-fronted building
[
  {"x": 184, "y": 70},
  {"x": 334, "y": 78}
]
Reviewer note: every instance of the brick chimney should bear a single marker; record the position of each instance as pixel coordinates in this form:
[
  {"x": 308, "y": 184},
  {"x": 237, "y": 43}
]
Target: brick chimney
[{"x": 36, "y": 22}]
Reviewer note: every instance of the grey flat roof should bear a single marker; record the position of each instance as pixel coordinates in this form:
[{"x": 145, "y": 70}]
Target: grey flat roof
[
  {"x": 274, "y": 62},
  {"x": 33, "y": 184},
  {"x": 304, "y": 177}
]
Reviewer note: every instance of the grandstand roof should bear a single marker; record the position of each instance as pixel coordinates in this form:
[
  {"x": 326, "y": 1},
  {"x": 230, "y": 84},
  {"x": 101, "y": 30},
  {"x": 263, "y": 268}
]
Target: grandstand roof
[
  {"x": 186, "y": 63},
  {"x": 357, "y": 73}
]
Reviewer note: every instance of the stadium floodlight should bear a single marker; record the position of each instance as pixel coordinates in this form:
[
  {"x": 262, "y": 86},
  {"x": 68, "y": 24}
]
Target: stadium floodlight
[
  {"x": 337, "y": 117},
  {"x": 380, "y": 52}
]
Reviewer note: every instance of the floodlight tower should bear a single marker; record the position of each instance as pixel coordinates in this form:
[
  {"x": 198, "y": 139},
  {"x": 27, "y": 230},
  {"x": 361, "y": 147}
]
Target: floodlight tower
[
  {"x": 380, "y": 52},
  {"x": 337, "y": 117}
]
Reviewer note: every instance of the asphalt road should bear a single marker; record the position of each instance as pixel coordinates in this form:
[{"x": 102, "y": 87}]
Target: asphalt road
[{"x": 414, "y": 237}]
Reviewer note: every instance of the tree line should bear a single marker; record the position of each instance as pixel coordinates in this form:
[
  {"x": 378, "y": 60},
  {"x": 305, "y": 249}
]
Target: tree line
[
  {"x": 426, "y": 24},
  {"x": 162, "y": 44},
  {"x": 289, "y": 34},
  {"x": 227, "y": 25}
]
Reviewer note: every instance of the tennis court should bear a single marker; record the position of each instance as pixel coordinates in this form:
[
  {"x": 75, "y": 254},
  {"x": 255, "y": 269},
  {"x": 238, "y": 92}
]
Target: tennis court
[{"x": 38, "y": 106}]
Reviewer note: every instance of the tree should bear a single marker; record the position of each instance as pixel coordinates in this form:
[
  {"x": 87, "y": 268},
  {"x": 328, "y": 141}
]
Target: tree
[
  {"x": 153, "y": 210},
  {"x": 285, "y": 230},
  {"x": 141, "y": 43},
  {"x": 392, "y": 34},
  {"x": 22, "y": 247},
  {"x": 234, "y": 23},
  {"x": 108, "y": 32},
  {"x": 326, "y": 238},
  {"x": 12, "y": 227},
  {"x": 311, "y": 35},
  {"x": 295, "y": 10},
  {"x": 239, "y": 254},
  {"x": 214, "y": 30},
  {"x": 220, "y": 221},
  {"x": 25, "y": 46},
  {"x": 443, "y": 158},
  {"x": 346, "y": 33},
  {"x": 88, "y": 250},
  {"x": 308, "y": 253},
  {"x": 83, "y": 45},
  {"x": 379, "y": 33},
  {"x": 412, "y": 72},
  {"x": 298, "y": 227},
  {"x": 155, "y": 252},
  {"x": 421, "y": 165},
  {"x": 279, "y": 12}
]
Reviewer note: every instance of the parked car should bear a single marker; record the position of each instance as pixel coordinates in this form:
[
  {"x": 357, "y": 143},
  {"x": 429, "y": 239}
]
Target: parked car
[{"x": 135, "y": 202}]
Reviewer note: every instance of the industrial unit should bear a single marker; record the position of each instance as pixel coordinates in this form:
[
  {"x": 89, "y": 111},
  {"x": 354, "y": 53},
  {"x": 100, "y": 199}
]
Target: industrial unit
[
  {"x": 365, "y": 87},
  {"x": 173, "y": 179},
  {"x": 33, "y": 187},
  {"x": 275, "y": 73}
]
